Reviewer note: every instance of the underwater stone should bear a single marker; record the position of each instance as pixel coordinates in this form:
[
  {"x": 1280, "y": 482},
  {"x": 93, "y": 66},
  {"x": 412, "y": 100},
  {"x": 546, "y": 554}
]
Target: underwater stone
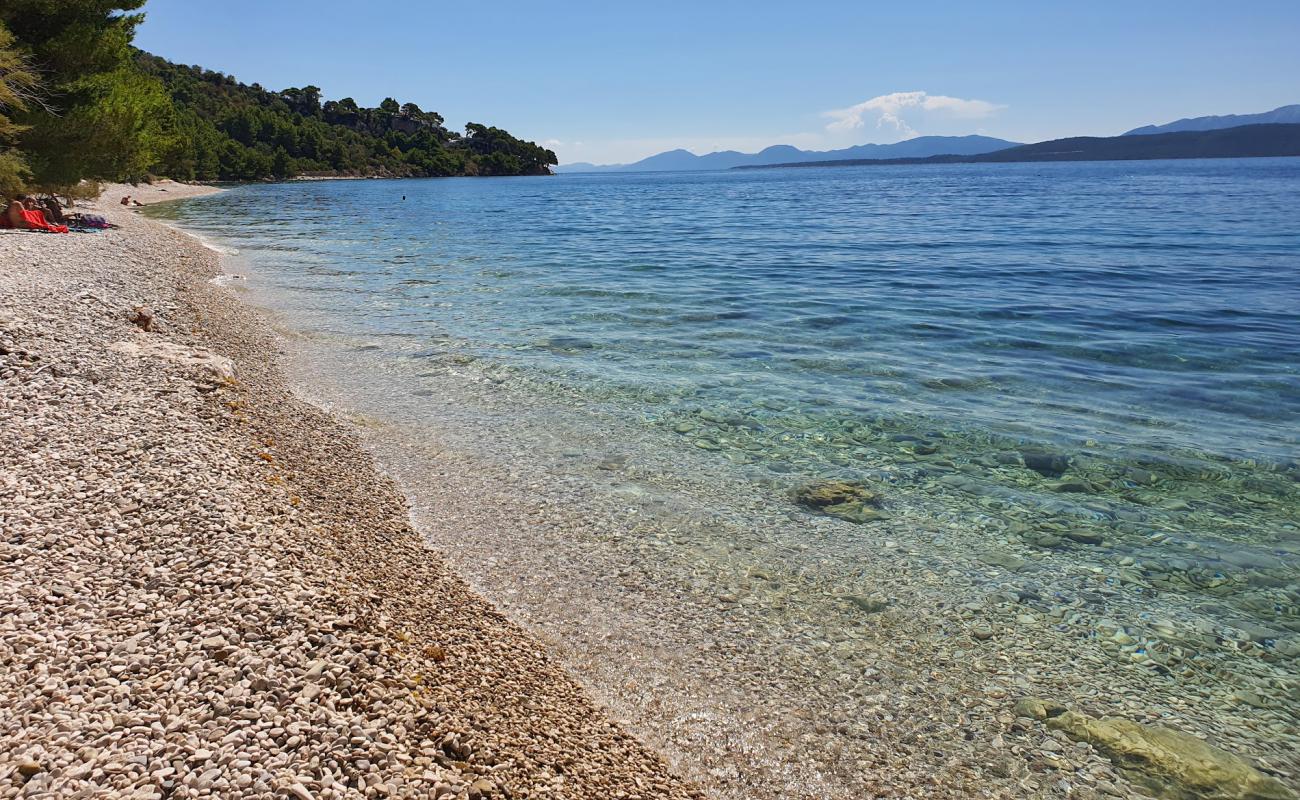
[
  {"x": 1073, "y": 487},
  {"x": 1049, "y": 465},
  {"x": 871, "y": 605},
  {"x": 1290, "y": 648},
  {"x": 1037, "y": 708},
  {"x": 848, "y": 500},
  {"x": 837, "y": 493},
  {"x": 1141, "y": 477},
  {"x": 1084, "y": 537},
  {"x": 1004, "y": 560},
  {"x": 1161, "y": 756}
]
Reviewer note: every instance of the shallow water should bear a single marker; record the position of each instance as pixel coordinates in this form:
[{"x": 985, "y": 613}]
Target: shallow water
[{"x": 1076, "y": 385}]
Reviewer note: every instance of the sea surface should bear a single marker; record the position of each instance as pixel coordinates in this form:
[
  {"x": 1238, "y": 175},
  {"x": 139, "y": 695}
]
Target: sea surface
[{"x": 1061, "y": 403}]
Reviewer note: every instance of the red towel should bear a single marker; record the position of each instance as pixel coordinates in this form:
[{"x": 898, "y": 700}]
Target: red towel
[{"x": 35, "y": 220}]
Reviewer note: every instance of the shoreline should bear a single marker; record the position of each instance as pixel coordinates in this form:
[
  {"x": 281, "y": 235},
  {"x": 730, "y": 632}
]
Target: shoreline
[
  {"x": 209, "y": 587},
  {"x": 727, "y": 630},
  {"x": 729, "y": 633}
]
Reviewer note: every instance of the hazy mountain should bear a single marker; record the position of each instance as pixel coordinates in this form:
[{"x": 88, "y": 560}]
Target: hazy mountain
[
  {"x": 683, "y": 160},
  {"x": 1284, "y": 115},
  {"x": 1246, "y": 141}
]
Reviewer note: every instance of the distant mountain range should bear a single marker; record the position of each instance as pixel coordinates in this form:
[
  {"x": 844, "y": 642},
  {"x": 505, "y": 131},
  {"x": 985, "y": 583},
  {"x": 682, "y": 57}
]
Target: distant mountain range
[
  {"x": 684, "y": 160},
  {"x": 1246, "y": 141},
  {"x": 1284, "y": 115},
  {"x": 1272, "y": 134}
]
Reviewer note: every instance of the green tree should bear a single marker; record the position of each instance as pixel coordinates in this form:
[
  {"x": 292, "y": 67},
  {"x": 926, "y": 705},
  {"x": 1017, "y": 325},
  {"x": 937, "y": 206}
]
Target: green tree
[
  {"x": 234, "y": 131},
  {"x": 282, "y": 166},
  {"x": 102, "y": 118},
  {"x": 305, "y": 101},
  {"x": 17, "y": 89}
]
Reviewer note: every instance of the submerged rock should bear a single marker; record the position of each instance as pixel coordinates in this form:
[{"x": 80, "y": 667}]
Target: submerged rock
[
  {"x": 1171, "y": 763},
  {"x": 1049, "y": 465},
  {"x": 1047, "y": 540},
  {"x": 1141, "y": 477},
  {"x": 844, "y": 499},
  {"x": 1037, "y": 708},
  {"x": 1085, "y": 537},
  {"x": 1004, "y": 560},
  {"x": 869, "y": 603},
  {"x": 835, "y": 493},
  {"x": 1074, "y": 487}
]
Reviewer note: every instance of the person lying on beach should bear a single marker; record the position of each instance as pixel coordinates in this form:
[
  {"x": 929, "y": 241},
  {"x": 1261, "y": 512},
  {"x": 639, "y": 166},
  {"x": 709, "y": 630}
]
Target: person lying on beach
[
  {"x": 21, "y": 215},
  {"x": 13, "y": 216}
]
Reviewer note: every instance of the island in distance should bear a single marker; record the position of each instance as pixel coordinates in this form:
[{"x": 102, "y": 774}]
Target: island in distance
[
  {"x": 1272, "y": 133},
  {"x": 684, "y": 160},
  {"x": 1283, "y": 115},
  {"x": 1245, "y": 141}
]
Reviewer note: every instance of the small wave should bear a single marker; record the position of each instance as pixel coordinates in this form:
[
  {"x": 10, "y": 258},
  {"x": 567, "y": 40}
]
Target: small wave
[
  {"x": 214, "y": 246},
  {"x": 198, "y": 237}
]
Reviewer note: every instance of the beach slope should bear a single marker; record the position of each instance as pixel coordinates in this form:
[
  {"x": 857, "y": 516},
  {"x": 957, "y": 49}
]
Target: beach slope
[{"x": 207, "y": 589}]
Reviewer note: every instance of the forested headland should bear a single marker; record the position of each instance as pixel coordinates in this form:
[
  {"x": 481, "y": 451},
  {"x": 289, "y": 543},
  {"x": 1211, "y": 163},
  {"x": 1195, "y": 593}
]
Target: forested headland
[{"x": 79, "y": 103}]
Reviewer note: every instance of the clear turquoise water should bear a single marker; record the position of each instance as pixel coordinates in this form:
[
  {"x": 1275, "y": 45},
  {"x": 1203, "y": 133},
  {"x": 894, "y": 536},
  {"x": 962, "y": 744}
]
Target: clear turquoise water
[
  {"x": 1137, "y": 318},
  {"x": 932, "y": 331},
  {"x": 1148, "y": 306}
]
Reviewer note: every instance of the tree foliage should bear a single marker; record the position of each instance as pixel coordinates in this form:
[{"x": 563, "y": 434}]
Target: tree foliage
[
  {"x": 111, "y": 112},
  {"x": 228, "y": 130},
  {"x": 17, "y": 88},
  {"x": 101, "y": 117}
]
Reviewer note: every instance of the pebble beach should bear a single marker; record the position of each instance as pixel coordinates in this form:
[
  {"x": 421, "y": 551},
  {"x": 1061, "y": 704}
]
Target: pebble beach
[
  {"x": 207, "y": 589},
  {"x": 253, "y": 548}
]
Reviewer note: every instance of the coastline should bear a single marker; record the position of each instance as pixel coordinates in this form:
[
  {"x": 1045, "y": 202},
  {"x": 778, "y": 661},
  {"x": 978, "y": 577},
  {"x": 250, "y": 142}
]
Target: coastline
[
  {"x": 160, "y": 191},
  {"x": 209, "y": 589},
  {"x": 737, "y": 637}
]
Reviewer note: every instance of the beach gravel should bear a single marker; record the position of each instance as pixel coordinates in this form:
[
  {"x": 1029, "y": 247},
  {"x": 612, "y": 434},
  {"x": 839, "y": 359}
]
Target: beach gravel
[{"x": 207, "y": 590}]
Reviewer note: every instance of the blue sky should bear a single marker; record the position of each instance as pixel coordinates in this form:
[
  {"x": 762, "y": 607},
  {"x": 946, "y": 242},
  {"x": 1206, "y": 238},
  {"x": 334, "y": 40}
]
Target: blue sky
[{"x": 615, "y": 81}]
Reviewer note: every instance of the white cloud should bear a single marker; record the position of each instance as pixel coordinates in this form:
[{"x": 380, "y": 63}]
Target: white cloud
[{"x": 893, "y": 110}]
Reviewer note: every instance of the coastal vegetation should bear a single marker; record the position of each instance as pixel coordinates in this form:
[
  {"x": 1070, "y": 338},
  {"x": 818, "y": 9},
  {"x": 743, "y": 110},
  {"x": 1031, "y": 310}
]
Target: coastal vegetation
[
  {"x": 16, "y": 83},
  {"x": 79, "y": 102},
  {"x": 227, "y": 130}
]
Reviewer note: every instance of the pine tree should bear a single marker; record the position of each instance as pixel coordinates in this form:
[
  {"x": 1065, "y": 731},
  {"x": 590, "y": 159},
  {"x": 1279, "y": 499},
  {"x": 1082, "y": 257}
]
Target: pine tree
[
  {"x": 102, "y": 118},
  {"x": 17, "y": 89}
]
